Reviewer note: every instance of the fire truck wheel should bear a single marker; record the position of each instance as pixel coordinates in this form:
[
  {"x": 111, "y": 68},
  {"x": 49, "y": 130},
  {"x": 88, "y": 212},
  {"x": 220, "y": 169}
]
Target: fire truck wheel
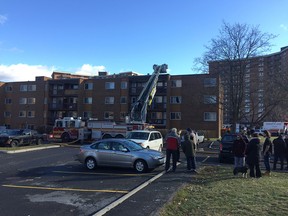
[
  {"x": 65, "y": 138},
  {"x": 106, "y": 136},
  {"x": 90, "y": 163},
  {"x": 140, "y": 166}
]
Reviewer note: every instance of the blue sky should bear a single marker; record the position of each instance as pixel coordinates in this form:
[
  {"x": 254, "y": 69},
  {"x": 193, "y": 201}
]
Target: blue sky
[{"x": 38, "y": 37}]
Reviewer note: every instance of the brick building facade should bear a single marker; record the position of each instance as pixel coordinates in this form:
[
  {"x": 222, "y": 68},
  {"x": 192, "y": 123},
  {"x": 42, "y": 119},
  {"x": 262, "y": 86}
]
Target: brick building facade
[{"x": 181, "y": 101}]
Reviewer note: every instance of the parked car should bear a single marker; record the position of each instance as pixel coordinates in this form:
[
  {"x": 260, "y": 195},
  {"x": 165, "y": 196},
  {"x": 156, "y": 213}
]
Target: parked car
[
  {"x": 18, "y": 137},
  {"x": 147, "y": 139},
  {"x": 260, "y": 132},
  {"x": 226, "y": 147},
  {"x": 119, "y": 153},
  {"x": 200, "y": 136}
]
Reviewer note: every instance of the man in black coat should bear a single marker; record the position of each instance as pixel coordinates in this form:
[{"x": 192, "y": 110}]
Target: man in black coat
[
  {"x": 279, "y": 151},
  {"x": 253, "y": 152}
]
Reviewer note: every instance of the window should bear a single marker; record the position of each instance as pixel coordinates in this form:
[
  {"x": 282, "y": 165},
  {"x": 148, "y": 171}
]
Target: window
[
  {"x": 23, "y": 101},
  {"x": 8, "y": 88},
  {"x": 87, "y": 115},
  {"x": 31, "y": 100},
  {"x": 210, "y": 82},
  {"x": 176, "y": 83},
  {"x": 8, "y": 101},
  {"x": 31, "y": 87},
  {"x": 22, "y": 113},
  {"x": 124, "y": 85},
  {"x": 175, "y": 116},
  {"x": 175, "y": 99},
  {"x": 88, "y": 86},
  {"x": 158, "y": 99},
  {"x": 133, "y": 100},
  {"x": 109, "y": 100},
  {"x": 23, "y": 87},
  {"x": 109, "y": 85},
  {"x": 210, "y": 99},
  {"x": 123, "y": 100},
  {"x": 7, "y": 114},
  {"x": 31, "y": 114},
  {"x": 210, "y": 116},
  {"x": 108, "y": 115},
  {"x": 88, "y": 100}
]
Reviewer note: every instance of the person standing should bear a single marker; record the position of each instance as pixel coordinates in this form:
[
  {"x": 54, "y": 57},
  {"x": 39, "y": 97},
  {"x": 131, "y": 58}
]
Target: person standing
[
  {"x": 279, "y": 151},
  {"x": 253, "y": 156},
  {"x": 172, "y": 142},
  {"x": 286, "y": 152},
  {"x": 189, "y": 149},
  {"x": 267, "y": 152},
  {"x": 239, "y": 148}
]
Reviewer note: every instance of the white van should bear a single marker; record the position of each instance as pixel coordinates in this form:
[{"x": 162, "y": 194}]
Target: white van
[{"x": 147, "y": 139}]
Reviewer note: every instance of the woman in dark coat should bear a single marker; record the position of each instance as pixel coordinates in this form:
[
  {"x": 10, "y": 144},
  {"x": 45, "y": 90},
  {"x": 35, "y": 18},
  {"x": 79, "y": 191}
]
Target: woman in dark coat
[
  {"x": 189, "y": 149},
  {"x": 253, "y": 152}
]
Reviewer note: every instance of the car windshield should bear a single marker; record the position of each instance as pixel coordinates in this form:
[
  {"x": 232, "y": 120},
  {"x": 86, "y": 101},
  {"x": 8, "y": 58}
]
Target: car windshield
[
  {"x": 138, "y": 135},
  {"x": 14, "y": 132},
  {"x": 132, "y": 146},
  {"x": 228, "y": 138}
]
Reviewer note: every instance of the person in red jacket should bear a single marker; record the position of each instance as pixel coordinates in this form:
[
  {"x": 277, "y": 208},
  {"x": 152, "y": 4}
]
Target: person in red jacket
[{"x": 172, "y": 144}]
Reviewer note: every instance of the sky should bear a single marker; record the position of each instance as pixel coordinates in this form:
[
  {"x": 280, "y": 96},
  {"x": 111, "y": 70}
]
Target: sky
[{"x": 38, "y": 37}]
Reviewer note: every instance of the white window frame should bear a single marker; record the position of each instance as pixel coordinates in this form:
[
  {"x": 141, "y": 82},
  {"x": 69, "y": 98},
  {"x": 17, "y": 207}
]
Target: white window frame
[
  {"x": 176, "y": 83},
  {"x": 109, "y": 100},
  {"x": 108, "y": 115},
  {"x": 109, "y": 85},
  {"x": 210, "y": 99},
  {"x": 88, "y": 100},
  {"x": 210, "y": 116},
  {"x": 175, "y": 116},
  {"x": 175, "y": 100}
]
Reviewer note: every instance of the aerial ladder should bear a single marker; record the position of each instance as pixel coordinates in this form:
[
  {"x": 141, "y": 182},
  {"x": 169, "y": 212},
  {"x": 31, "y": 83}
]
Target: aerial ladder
[{"x": 139, "y": 108}]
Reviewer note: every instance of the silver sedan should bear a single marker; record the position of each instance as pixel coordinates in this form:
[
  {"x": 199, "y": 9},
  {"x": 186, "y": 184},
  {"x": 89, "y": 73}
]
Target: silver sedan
[{"x": 119, "y": 153}]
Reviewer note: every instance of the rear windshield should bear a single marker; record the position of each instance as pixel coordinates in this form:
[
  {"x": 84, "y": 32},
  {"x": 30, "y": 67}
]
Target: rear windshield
[
  {"x": 228, "y": 138},
  {"x": 138, "y": 135}
]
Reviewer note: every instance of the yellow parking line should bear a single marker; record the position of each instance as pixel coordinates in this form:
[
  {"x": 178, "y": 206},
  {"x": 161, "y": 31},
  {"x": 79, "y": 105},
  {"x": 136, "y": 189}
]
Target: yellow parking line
[
  {"x": 113, "y": 174},
  {"x": 65, "y": 189}
]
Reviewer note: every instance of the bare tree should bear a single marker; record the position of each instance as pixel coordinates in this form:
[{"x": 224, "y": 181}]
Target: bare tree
[{"x": 234, "y": 55}]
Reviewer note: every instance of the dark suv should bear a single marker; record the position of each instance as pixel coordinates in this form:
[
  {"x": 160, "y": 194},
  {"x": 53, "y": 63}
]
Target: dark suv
[
  {"x": 226, "y": 147},
  {"x": 17, "y": 137}
]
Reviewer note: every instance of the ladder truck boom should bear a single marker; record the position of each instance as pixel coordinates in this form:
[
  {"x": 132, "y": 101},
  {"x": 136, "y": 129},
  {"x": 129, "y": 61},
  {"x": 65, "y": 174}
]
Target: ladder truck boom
[{"x": 139, "y": 108}]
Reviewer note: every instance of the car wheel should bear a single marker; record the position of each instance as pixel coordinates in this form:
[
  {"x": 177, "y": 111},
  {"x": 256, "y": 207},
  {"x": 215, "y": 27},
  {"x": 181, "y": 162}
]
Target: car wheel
[
  {"x": 90, "y": 163},
  {"x": 106, "y": 136},
  {"x": 119, "y": 136},
  {"x": 140, "y": 166},
  {"x": 39, "y": 142},
  {"x": 14, "y": 143}
]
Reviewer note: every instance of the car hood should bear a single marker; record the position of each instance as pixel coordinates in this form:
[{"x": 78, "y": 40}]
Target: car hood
[
  {"x": 138, "y": 140},
  {"x": 152, "y": 152}
]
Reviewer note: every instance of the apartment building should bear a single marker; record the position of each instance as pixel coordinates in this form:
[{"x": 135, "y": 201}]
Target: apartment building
[
  {"x": 181, "y": 101},
  {"x": 263, "y": 79}
]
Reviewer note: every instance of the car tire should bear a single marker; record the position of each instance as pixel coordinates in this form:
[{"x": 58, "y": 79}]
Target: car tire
[
  {"x": 14, "y": 143},
  {"x": 39, "y": 142},
  {"x": 119, "y": 136},
  {"x": 140, "y": 166},
  {"x": 90, "y": 163}
]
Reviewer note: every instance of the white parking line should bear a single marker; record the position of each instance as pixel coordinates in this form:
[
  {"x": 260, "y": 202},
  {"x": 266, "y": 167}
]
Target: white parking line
[{"x": 123, "y": 198}]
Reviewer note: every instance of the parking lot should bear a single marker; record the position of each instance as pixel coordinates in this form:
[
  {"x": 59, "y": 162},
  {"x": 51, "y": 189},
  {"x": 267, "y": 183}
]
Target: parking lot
[{"x": 50, "y": 182}]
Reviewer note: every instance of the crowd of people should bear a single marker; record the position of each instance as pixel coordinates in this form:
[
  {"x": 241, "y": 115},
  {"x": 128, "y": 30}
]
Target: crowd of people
[
  {"x": 175, "y": 140},
  {"x": 247, "y": 153}
]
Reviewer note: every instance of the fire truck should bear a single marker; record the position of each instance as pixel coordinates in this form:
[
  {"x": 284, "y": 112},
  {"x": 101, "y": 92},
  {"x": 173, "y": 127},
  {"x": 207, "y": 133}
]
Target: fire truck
[{"x": 69, "y": 128}]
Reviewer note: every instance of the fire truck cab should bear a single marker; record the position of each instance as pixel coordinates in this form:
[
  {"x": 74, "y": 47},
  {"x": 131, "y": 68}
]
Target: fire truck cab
[{"x": 68, "y": 128}]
